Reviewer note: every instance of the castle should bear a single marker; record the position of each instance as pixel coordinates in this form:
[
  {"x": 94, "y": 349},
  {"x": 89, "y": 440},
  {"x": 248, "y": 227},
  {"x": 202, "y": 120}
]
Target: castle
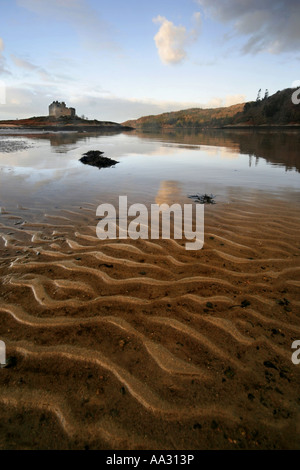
[{"x": 57, "y": 110}]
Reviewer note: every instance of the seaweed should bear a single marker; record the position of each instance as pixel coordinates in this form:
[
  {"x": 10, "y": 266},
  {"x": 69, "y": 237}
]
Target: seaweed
[
  {"x": 203, "y": 198},
  {"x": 95, "y": 158}
]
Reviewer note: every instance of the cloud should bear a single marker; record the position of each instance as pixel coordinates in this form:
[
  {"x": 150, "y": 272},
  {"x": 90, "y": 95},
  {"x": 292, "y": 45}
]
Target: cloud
[
  {"x": 269, "y": 26},
  {"x": 171, "y": 41},
  {"x": 34, "y": 99},
  {"x": 24, "y": 64},
  {"x": 93, "y": 31},
  {"x": 229, "y": 100},
  {"x": 41, "y": 72}
]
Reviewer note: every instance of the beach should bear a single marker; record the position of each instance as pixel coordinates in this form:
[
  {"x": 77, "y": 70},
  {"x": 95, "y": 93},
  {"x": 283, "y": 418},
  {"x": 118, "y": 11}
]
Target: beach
[{"x": 123, "y": 344}]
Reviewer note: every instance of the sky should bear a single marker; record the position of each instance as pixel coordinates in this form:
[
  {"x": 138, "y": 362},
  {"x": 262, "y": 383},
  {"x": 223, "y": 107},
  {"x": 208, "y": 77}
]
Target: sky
[{"x": 116, "y": 60}]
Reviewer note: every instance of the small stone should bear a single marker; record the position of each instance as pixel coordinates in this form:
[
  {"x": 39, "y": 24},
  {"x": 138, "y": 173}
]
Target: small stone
[
  {"x": 197, "y": 426},
  {"x": 214, "y": 424},
  {"x": 270, "y": 365},
  {"x": 229, "y": 372}
]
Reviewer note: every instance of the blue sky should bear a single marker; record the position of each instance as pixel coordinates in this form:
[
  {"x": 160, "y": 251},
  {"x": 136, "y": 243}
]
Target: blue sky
[{"x": 120, "y": 60}]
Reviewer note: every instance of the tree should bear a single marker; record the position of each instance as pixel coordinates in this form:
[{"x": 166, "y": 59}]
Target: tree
[
  {"x": 258, "y": 95},
  {"x": 266, "y": 94}
]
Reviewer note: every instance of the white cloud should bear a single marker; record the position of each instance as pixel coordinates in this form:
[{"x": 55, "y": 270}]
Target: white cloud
[
  {"x": 269, "y": 26},
  {"x": 215, "y": 102},
  {"x": 171, "y": 41},
  {"x": 1, "y": 45},
  {"x": 229, "y": 100}
]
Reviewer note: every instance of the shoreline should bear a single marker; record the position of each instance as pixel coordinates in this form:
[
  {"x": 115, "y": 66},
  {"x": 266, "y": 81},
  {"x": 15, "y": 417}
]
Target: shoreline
[
  {"x": 237, "y": 127},
  {"x": 52, "y": 129}
]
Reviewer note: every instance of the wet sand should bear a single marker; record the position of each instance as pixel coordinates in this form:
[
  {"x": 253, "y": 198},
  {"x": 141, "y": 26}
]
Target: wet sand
[{"x": 144, "y": 345}]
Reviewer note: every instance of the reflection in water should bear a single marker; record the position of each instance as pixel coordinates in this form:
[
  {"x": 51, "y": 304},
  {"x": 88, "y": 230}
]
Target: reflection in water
[
  {"x": 281, "y": 147},
  {"x": 162, "y": 167},
  {"x": 169, "y": 193},
  {"x": 62, "y": 139}
]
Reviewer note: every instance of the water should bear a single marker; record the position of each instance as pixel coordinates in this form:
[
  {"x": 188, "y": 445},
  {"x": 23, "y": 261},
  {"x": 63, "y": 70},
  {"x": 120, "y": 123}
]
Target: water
[{"x": 43, "y": 170}]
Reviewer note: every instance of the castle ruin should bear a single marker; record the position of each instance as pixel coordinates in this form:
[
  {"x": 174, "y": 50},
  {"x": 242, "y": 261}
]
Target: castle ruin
[{"x": 57, "y": 109}]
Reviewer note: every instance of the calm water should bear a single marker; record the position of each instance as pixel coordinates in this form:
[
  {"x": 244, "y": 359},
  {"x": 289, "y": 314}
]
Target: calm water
[{"x": 153, "y": 167}]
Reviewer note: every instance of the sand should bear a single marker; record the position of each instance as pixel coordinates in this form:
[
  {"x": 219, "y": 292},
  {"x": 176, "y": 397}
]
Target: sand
[{"x": 144, "y": 345}]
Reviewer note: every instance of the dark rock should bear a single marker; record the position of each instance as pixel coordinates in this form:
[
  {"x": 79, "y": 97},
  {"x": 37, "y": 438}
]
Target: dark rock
[
  {"x": 270, "y": 365},
  {"x": 203, "y": 198},
  {"x": 275, "y": 331},
  {"x": 94, "y": 158},
  {"x": 197, "y": 426},
  {"x": 283, "y": 302}
]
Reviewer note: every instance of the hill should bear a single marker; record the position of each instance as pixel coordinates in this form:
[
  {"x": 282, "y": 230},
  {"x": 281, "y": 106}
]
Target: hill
[
  {"x": 49, "y": 123},
  {"x": 275, "y": 110}
]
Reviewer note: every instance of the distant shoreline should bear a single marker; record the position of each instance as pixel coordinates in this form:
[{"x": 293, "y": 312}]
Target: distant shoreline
[
  {"x": 52, "y": 129},
  {"x": 51, "y": 124},
  {"x": 232, "y": 127}
]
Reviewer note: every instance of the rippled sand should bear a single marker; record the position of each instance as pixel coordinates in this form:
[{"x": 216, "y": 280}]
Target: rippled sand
[{"x": 144, "y": 345}]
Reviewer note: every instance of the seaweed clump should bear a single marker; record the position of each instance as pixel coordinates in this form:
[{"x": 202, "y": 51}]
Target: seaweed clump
[
  {"x": 203, "y": 198},
  {"x": 95, "y": 158}
]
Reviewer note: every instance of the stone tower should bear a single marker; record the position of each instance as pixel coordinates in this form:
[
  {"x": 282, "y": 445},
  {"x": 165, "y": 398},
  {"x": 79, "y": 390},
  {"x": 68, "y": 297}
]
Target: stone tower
[{"x": 57, "y": 110}]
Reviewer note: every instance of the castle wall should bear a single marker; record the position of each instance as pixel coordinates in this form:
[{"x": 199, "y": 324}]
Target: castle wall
[{"x": 57, "y": 110}]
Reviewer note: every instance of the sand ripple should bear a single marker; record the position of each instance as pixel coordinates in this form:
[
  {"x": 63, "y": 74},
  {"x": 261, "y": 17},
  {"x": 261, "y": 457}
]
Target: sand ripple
[{"x": 145, "y": 345}]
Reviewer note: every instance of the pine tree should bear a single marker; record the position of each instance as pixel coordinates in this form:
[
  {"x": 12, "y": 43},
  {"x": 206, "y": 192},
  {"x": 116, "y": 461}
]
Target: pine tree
[{"x": 258, "y": 95}]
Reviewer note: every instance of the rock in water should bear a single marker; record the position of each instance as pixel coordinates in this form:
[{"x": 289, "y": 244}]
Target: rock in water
[
  {"x": 94, "y": 158},
  {"x": 203, "y": 198}
]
